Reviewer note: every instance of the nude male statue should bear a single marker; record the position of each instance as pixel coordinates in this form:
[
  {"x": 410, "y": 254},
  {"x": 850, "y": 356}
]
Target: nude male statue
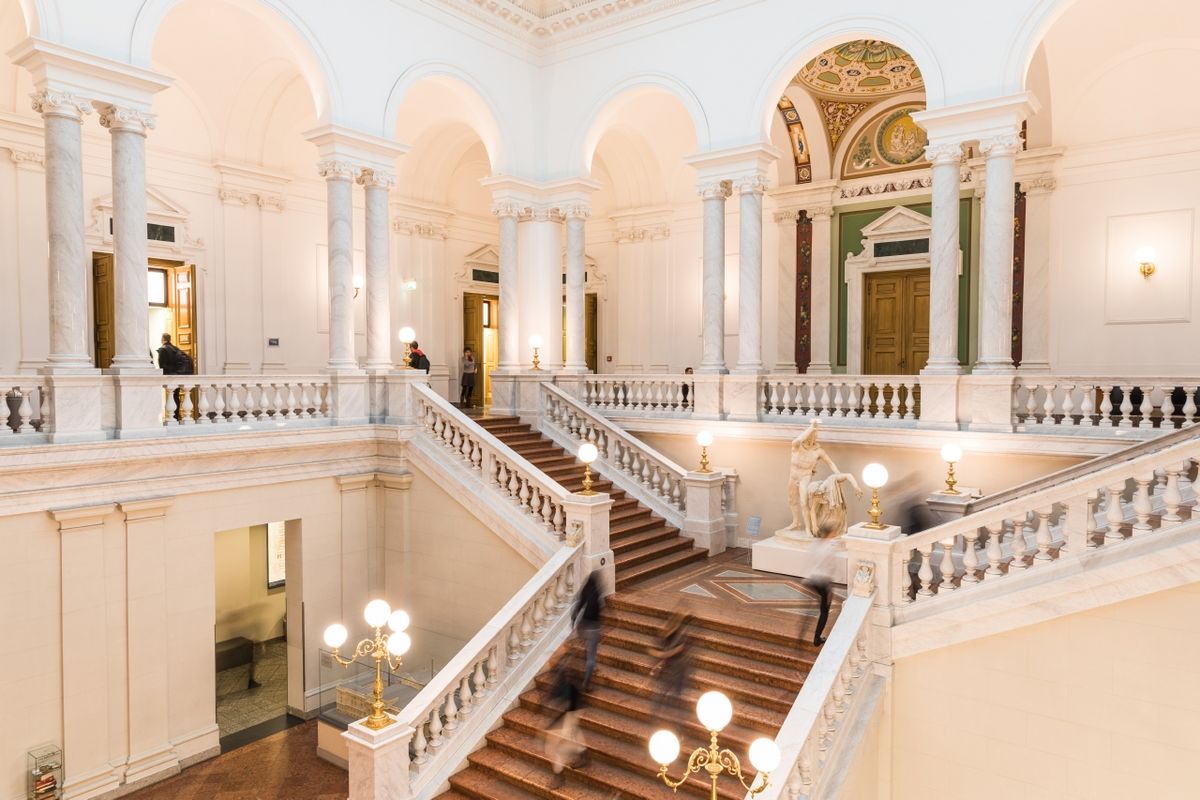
[{"x": 807, "y": 455}]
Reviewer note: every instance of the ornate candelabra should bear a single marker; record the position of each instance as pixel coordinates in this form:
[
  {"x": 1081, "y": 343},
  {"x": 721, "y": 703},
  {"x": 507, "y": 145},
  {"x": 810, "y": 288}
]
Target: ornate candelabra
[
  {"x": 379, "y": 646},
  {"x": 714, "y": 711}
]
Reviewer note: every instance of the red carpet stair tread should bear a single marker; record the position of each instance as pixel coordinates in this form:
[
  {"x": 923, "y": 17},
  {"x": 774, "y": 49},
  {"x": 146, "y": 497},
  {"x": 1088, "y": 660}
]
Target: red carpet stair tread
[
  {"x": 758, "y": 666},
  {"x": 643, "y": 544}
]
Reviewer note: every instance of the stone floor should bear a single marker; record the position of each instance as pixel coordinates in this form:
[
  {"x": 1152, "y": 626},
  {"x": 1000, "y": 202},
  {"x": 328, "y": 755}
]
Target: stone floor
[
  {"x": 239, "y": 708},
  {"x": 281, "y": 767}
]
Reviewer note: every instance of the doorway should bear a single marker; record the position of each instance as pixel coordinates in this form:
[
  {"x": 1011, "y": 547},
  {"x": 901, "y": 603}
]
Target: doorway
[
  {"x": 896, "y": 322},
  {"x": 171, "y": 297},
  {"x": 591, "y": 304},
  {"x": 481, "y": 333}
]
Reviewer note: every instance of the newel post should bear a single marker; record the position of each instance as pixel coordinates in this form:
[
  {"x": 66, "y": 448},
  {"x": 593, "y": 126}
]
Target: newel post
[
  {"x": 704, "y": 519},
  {"x": 402, "y": 407},
  {"x": 872, "y": 559},
  {"x": 379, "y": 766},
  {"x": 587, "y": 522}
]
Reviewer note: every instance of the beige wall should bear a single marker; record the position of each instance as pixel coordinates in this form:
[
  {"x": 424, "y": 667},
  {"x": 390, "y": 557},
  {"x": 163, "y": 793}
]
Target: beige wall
[
  {"x": 448, "y": 570},
  {"x": 763, "y": 472},
  {"x": 245, "y": 607},
  {"x": 1102, "y": 704}
]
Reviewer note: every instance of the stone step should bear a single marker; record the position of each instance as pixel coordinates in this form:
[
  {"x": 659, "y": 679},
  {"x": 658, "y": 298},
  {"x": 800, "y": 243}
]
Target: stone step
[
  {"x": 651, "y": 533},
  {"x": 651, "y": 551},
  {"x": 632, "y": 574},
  {"x": 649, "y": 608},
  {"x": 796, "y": 659}
]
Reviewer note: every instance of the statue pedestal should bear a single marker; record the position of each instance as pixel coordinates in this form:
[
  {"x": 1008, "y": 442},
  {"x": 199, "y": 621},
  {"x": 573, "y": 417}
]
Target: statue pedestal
[{"x": 787, "y": 553}]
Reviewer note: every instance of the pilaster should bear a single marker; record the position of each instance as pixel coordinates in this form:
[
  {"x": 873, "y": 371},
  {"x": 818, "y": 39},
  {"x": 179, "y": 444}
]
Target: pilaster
[{"x": 356, "y": 544}]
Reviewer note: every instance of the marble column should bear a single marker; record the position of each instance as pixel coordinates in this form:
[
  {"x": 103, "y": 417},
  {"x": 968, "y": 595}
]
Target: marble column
[
  {"x": 1035, "y": 327},
  {"x": 821, "y": 294},
  {"x": 339, "y": 177},
  {"x": 785, "y": 300},
  {"x": 540, "y": 238},
  {"x": 376, "y": 184},
  {"x": 576, "y": 220},
  {"x": 750, "y": 303},
  {"x": 128, "y": 127},
  {"x": 68, "y": 268},
  {"x": 995, "y": 296},
  {"x": 944, "y": 260},
  {"x": 510, "y": 332},
  {"x": 712, "y": 358}
]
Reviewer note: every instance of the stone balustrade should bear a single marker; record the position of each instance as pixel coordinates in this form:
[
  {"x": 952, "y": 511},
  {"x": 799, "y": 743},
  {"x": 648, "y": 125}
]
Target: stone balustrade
[
  {"x": 25, "y": 408},
  {"x": 671, "y": 395},
  {"x": 239, "y": 400},
  {"x": 1085, "y": 403},
  {"x": 499, "y": 468},
  {"x": 894, "y": 398},
  {"x": 814, "y": 734}
]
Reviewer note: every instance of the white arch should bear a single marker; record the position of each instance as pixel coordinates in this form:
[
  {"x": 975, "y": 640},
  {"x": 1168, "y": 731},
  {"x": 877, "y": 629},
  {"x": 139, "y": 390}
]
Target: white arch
[
  {"x": 836, "y": 33},
  {"x": 41, "y": 18},
  {"x": 485, "y": 119},
  {"x": 1032, "y": 31},
  {"x": 589, "y": 135},
  {"x": 304, "y": 46}
]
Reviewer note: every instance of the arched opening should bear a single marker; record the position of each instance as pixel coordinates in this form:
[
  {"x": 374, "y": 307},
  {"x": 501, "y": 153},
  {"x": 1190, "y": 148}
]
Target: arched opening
[{"x": 446, "y": 278}]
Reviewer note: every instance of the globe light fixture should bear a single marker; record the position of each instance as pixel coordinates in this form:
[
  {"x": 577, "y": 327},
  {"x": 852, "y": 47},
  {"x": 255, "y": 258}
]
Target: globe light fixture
[
  {"x": 704, "y": 439},
  {"x": 407, "y": 335},
  {"x": 389, "y": 647},
  {"x": 875, "y": 476},
  {"x": 535, "y": 342},
  {"x": 714, "y": 712},
  {"x": 951, "y": 454},
  {"x": 588, "y": 454}
]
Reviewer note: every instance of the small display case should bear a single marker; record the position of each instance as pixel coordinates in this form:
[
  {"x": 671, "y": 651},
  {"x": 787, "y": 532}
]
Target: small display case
[{"x": 45, "y": 773}]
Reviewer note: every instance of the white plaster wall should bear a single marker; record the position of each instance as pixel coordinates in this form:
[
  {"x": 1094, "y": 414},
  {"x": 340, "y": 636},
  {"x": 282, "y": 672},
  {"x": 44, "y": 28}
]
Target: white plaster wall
[
  {"x": 1102, "y": 704},
  {"x": 244, "y": 604}
]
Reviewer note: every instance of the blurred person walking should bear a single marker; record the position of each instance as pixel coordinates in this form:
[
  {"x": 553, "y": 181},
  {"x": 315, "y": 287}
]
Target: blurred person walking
[
  {"x": 820, "y": 568},
  {"x": 674, "y": 665},
  {"x": 586, "y": 617},
  {"x": 565, "y": 743}
]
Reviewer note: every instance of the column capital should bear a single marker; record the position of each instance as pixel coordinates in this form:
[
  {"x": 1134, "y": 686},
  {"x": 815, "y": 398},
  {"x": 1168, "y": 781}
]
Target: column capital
[
  {"x": 373, "y": 178},
  {"x": 1005, "y": 144},
  {"x": 714, "y": 189},
  {"x": 576, "y": 211},
  {"x": 822, "y": 213},
  {"x": 944, "y": 153},
  {"x": 790, "y": 215},
  {"x": 545, "y": 214},
  {"x": 81, "y": 517},
  {"x": 751, "y": 184},
  {"x": 337, "y": 170},
  {"x": 54, "y": 103},
  {"x": 508, "y": 208},
  {"x": 125, "y": 119},
  {"x": 146, "y": 509},
  {"x": 234, "y": 197},
  {"x": 1042, "y": 184}
]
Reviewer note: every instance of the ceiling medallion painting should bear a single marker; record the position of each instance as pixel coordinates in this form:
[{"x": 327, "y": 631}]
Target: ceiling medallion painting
[
  {"x": 862, "y": 69},
  {"x": 889, "y": 142}
]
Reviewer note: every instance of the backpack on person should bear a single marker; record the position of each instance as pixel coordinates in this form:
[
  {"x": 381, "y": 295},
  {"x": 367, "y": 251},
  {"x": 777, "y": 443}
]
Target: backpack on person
[
  {"x": 183, "y": 363},
  {"x": 421, "y": 361}
]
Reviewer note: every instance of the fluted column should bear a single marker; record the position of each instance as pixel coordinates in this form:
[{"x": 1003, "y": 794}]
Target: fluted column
[
  {"x": 376, "y": 184},
  {"x": 339, "y": 177},
  {"x": 995, "y": 297},
  {"x": 68, "y": 269},
  {"x": 944, "y": 260},
  {"x": 128, "y": 127},
  {"x": 510, "y": 333},
  {"x": 750, "y": 190},
  {"x": 1035, "y": 328},
  {"x": 785, "y": 300},
  {"x": 576, "y": 220},
  {"x": 821, "y": 296},
  {"x": 713, "y": 305}
]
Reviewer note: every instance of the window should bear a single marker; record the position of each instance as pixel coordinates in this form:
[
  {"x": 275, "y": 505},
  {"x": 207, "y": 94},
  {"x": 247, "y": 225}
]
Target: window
[
  {"x": 487, "y": 314},
  {"x": 156, "y": 283},
  {"x": 276, "y": 562}
]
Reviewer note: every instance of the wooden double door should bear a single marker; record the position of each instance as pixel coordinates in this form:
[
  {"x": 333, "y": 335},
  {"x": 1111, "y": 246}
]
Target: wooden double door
[
  {"x": 171, "y": 301},
  {"x": 896, "y": 322}
]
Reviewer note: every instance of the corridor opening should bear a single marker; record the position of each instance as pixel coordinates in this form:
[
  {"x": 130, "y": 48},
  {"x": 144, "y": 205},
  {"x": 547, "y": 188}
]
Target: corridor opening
[
  {"x": 171, "y": 298},
  {"x": 481, "y": 333}
]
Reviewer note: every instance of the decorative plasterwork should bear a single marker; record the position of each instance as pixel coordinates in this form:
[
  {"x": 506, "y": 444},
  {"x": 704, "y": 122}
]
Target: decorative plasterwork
[
  {"x": 160, "y": 209},
  {"x": 543, "y": 22},
  {"x": 863, "y": 68},
  {"x": 889, "y": 142},
  {"x": 837, "y": 116},
  {"x": 797, "y": 138}
]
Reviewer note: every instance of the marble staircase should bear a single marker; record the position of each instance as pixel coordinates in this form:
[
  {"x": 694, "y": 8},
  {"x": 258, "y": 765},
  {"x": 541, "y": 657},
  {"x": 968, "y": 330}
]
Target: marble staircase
[
  {"x": 746, "y": 655},
  {"x": 643, "y": 544}
]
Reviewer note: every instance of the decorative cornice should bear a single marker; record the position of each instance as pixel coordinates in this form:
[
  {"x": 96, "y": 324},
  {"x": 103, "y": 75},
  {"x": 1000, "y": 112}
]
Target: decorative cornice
[
  {"x": 26, "y": 158},
  {"x": 886, "y": 186},
  {"x": 949, "y": 153},
  {"x": 337, "y": 170},
  {"x": 1008, "y": 144},
  {"x": 271, "y": 202},
  {"x": 790, "y": 215},
  {"x": 425, "y": 230},
  {"x": 51, "y": 103},
  {"x": 234, "y": 197},
  {"x": 1042, "y": 184},
  {"x": 715, "y": 189},
  {"x": 630, "y": 235},
  {"x": 125, "y": 119},
  {"x": 567, "y": 20},
  {"x": 376, "y": 178}
]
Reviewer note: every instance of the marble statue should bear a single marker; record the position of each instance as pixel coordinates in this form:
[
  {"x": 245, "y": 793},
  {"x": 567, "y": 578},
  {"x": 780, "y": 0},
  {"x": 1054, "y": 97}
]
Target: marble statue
[{"x": 813, "y": 502}]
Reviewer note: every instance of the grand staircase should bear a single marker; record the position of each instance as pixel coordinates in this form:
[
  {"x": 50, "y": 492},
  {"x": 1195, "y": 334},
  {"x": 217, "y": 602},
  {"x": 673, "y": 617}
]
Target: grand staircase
[
  {"x": 643, "y": 544},
  {"x": 751, "y": 657}
]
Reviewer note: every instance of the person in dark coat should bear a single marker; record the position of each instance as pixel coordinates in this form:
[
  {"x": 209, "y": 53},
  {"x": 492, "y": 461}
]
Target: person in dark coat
[
  {"x": 565, "y": 743},
  {"x": 417, "y": 358},
  {"x": 585, "y": 616},
  {"x": 673, "y": 667}
]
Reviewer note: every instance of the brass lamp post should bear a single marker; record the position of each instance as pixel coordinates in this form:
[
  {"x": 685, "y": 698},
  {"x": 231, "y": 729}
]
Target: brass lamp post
[
  {"x": 587, "y": 454},
  {"x": 380, "y": 646},
  {"x": 704, "y": 439},
  {"x": 714, "y": 711},
  {"x": 535, "y": 342},
  {"x": 951, "y": 454},
  {"x": 407, "y": 335},
  {"x": 875, "y": 476}
]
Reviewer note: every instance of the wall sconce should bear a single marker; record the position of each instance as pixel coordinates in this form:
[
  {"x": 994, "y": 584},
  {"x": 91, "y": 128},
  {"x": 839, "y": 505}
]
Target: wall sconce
[
  {"x": 875, "y": 476},
  {"x": 407, "y": 335},
  {"x": 1145, "y": 257},
  {"x": 358, "y": 284},
  {"x": 408, "y": 285},
  {"x": 535, "y": 342}
]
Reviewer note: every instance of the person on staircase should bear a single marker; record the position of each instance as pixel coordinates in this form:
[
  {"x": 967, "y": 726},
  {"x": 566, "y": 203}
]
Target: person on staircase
[
  {"x": 586, "y": 617},
  {"x": 469, "y": 368},
  {"x": 565, "y": 743},
  {"x": 674, "y": 666},
  {"x": 819, "y": 569}
]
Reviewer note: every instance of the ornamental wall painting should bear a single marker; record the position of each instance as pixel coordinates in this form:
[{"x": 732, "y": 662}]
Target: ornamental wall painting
[
  {"x": 888, "y": 143},
  {"x": 799, "y": 141}
]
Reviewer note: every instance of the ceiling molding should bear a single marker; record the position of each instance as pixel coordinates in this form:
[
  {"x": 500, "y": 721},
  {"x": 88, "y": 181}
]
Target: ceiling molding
[{"x": 545, "y": 23}]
